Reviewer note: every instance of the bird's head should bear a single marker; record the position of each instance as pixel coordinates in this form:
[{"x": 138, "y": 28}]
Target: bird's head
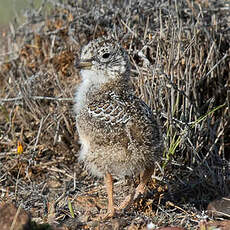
[{"x": 103, "y": 59}]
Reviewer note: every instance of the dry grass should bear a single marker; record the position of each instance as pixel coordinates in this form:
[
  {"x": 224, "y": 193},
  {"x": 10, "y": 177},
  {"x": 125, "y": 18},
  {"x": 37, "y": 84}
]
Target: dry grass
[{"x": 179, "y": 52}]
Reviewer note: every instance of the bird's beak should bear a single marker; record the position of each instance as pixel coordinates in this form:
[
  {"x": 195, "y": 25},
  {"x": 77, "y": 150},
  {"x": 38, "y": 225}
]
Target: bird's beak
[{"x": 83, "y": 64}]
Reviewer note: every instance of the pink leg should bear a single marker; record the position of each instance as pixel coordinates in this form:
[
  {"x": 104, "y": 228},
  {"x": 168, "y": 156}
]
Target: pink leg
[{"x": 109, "y": 188}]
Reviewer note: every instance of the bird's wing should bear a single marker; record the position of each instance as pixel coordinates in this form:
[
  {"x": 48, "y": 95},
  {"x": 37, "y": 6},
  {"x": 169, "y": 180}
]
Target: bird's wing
[
  {"x": 119, "y": 109},
  {"x": 133, "y": 114},
  {"x": 111, "y": 109}
]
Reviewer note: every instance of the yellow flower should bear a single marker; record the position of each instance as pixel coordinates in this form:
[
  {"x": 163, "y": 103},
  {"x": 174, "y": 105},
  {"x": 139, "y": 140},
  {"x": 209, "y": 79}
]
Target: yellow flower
[{"x": 19, "y": 148}]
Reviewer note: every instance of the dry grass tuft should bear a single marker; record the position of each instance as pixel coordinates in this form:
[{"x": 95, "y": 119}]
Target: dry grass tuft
[{"x": 180, "y": 58}]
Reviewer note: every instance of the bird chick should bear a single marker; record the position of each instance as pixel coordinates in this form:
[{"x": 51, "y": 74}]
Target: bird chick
[{"x": 118, "y": 133}]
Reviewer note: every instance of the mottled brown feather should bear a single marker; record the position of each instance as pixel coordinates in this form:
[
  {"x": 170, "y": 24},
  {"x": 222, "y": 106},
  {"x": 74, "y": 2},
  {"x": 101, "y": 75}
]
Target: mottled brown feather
[{"x": 118, "y": 132}]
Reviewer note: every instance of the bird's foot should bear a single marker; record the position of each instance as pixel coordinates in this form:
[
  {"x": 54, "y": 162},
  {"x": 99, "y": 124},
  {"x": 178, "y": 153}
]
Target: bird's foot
[
  {"x": 105, "y": 216},
  {"x": 109, "y": 214},
  {"x": 126, "y": 202},
  {"x": 130, "y": 199}
]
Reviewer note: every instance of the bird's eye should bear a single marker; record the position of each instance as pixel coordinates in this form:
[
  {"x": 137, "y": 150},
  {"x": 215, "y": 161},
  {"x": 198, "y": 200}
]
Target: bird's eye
[{"x": 106, "y": 55}]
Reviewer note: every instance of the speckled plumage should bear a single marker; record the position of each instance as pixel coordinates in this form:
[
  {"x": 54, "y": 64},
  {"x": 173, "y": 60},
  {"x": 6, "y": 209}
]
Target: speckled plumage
[{"x": 117, "y": 130}]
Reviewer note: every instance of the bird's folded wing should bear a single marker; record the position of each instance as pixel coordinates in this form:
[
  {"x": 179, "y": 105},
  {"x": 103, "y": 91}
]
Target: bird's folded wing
[
  {"x": 115, "y": 109},
  {"x": 133, "y": 114},
  {"x": 110, "y": 110}
]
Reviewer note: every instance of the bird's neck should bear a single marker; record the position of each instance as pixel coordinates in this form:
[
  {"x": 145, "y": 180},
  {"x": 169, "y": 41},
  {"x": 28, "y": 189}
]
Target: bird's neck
[{"x": 87, "y": 90}]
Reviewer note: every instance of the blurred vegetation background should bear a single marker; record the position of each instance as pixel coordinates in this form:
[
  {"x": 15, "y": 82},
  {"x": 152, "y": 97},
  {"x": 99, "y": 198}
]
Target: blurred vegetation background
[{"x": 11, "y": 9}]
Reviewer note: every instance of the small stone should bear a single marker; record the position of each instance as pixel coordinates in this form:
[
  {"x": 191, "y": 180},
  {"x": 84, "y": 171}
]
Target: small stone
[
  {"x": 11, "y": 215},
  {"x": 219, "y": 207}
]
